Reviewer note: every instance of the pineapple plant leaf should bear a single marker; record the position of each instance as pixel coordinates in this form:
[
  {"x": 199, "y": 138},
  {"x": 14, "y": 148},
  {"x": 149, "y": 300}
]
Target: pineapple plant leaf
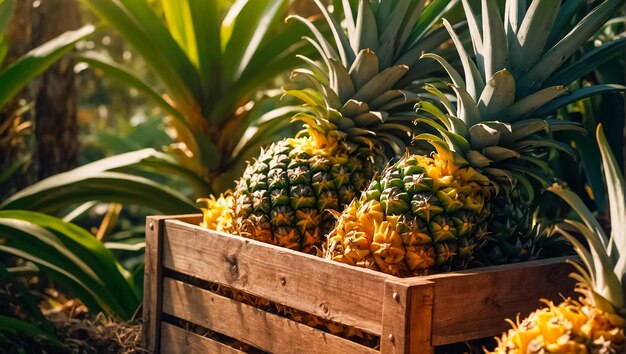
[
  {"x": 428, "y": 213},
  {"x": 595, "y": 323},
  {"x": 357, "y": 115},
  {"x": 211, "y": 67},
  {"x": 35, "y": 62}
]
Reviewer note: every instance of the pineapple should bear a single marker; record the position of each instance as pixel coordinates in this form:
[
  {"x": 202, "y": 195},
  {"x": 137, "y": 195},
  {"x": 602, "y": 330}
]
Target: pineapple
[
  {"x": 218, "y": 212},
  {"x": 595, "y": 323},
  {"x": 357, "y": 116},
  {"x": 428, "y": 213}
]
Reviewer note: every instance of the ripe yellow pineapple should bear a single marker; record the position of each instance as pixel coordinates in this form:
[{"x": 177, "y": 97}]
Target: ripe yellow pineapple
[
  {"x": 420, "y": 213},
  {"x": 595, "y": 323},
  {"x": 427, "y": 213},
  {"x": 217, "y": 215}
]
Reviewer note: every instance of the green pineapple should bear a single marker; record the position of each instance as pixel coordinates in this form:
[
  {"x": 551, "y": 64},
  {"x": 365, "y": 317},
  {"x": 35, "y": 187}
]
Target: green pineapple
[{"x": 430, "y": 212}]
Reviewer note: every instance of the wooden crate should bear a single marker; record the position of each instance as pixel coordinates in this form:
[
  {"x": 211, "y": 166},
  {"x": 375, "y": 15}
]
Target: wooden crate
[{"x": 411, "y": 315}]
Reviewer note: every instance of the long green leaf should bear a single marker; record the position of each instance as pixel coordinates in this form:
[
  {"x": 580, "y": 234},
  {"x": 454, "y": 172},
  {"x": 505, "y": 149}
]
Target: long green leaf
[
  {"x": 467, "y": 109},
  {"x": 35, "y": 62},
  {"x": 272, "y": 59},
  {"x": 585, "y": 214},
  {"x": 179, "y": 23},
  {"x": 616, "y": 190},
  {"x": 529, "y": 104},
  {"x": 99, "y": 181},
  {"x": 6, "y": 11},
  {"x": 165, "y": 57},
  {"x": 206, "y": 27},
  {"x": 249, "y": 29},
  {"x": 72, "y": 256},
  {"x": 532, "y": 35},
  {"x": 80, "y": 243},
  {"x": 563, "y": 21},
  {"x": 473, "y": 78},
  {"x": 576, "y": 95},
  {"x": 562, "y": 51},
  {"x": 14, "y": 325},
  {"x": 126, "y": 76},
  {"x": 346, "y": 52},
  {"x": 590, "y": 61},
  {"x": 495, "y": 47},
  {"x": 69, "y": 188},
  {"x": 161, "y": 38},
  {"x": 431, "y": 14}
]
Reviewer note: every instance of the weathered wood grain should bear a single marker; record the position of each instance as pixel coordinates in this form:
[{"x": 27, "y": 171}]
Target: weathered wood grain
[
  {"x": 177, "y": 340},
  {"x": 407, "y": 315},
  {"x": 153, "y": 276},
  {"x": 474, "y": 303},
  {"x": 419, "y": 312},
  {"x": 327, "y": 289},
  {"x": 248, "y": 324}
]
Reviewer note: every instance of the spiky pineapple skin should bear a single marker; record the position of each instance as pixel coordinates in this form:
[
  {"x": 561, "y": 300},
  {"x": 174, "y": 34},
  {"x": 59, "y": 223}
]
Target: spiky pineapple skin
[
  {"x": 282, "y": 196},
  {"x": 510, "y": 230},
  {"x": 421, "y": 214},
  {"x": 568, "y": 327}
]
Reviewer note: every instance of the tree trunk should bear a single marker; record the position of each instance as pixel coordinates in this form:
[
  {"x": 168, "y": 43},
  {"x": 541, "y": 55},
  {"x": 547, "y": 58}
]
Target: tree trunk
[{"x": 56, "y": 125}]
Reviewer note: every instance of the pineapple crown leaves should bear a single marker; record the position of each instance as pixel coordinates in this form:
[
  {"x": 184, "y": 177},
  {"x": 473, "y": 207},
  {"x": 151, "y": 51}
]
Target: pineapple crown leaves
[
  {"x": 504, "y": 95},
  {"x": 360, "y": 88},
  {"x": 603, "y": 270},
  {"x": 397, "y": 30}
]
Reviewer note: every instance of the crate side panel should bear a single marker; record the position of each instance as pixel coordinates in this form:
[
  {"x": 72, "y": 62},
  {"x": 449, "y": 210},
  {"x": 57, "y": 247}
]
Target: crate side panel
[
  {"x": 253, "y": 326},
  {"x": 473, "y": 305},
  {"x": 301, "y": 281},
  {"x": 177, "y": 340}
]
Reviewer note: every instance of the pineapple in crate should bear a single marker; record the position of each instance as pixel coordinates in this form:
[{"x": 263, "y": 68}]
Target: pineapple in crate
[
  {"x": 358, "y": 114},
  {"x": 594, "y": 323},
  {"x": 427, "y": 213}
]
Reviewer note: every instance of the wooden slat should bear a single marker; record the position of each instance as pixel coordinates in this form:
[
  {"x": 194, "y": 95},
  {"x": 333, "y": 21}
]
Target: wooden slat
[
  {"x": 248, "y": 324},
  {"x": 473, "y": 304},
  {"x": 194, "y": 219},
  {"x": 153, "y": 276},
  {"x": 407, "y": 314},
  {"x": 177, "y": 340},
  {"x": 324, "y": 288}
]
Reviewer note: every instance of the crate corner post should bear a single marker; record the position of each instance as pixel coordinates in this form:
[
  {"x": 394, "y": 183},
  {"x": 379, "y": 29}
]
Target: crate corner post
[
  {"x": 153, "y": 284},
  {"x": 407, "y": 316}
]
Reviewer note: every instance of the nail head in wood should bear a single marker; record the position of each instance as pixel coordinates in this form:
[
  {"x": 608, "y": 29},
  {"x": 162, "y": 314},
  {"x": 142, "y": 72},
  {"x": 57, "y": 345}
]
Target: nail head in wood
[
  {"x": 396, "y": 297},
  {"x": 283, "y": 281},
  {"x": 151, "y": 225},
  {"x": 391, "y": 338}
]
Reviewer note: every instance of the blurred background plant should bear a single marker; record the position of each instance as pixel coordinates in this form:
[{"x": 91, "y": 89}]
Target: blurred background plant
[{"x": 585, "y": 178}]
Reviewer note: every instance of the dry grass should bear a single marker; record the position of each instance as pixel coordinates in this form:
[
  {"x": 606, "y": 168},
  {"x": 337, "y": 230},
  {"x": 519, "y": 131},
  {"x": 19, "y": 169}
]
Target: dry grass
[{"x": 98, "y": 335}]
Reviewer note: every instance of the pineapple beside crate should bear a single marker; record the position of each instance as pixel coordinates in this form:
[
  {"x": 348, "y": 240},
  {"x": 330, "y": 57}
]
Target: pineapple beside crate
[
  {"x": 430, "y": 213},
  {"x": 595, "y": 323}
]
